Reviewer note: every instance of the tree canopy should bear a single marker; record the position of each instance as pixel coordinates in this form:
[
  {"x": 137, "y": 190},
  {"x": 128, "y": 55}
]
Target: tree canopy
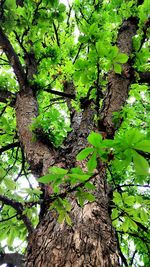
[{"x": 87, "y": 53}]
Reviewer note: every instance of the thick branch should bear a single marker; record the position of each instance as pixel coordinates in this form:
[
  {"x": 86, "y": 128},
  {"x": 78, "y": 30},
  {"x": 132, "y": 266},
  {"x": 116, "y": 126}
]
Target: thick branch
[
  {"x": 12, "y": 259},
  {"x": 9, "y": 146},
  {"x": 118, "y": 85},
  {"x": 20, "y": 211},
  {"x": 13, "y": 59},
  {"x": 38, "y": 154}
]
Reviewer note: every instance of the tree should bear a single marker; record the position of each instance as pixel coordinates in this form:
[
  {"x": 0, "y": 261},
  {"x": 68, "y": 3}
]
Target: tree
[{"x": 74, "y": 115}]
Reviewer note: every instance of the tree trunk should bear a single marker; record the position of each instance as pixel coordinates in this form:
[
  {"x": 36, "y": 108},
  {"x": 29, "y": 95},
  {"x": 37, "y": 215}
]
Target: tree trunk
[{"x": 90, "y": 241}]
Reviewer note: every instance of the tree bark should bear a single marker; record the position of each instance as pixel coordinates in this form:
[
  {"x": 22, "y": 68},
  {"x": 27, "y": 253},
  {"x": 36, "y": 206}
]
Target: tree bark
[{"x": 90, "y": 241}]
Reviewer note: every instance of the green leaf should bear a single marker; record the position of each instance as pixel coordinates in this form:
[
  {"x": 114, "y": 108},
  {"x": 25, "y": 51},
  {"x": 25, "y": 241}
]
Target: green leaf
[
  {"x": 133, "y": 225},
  {"x": 92, "y": 163},
  {"x": 84, "y": 153},
  {"x": 144, "y": 216},
  {"x": 89, "y": 186},
  {"x": 2, "y": 173},
  {"x": 117, "y": 68},
  {"x": 10, "y": 4},
  {"x": 77, "y": 170},
  {"x": 115, "y": 214},
  {"x": 101, "y": 49},
  {"x": 61, "y": 217},
  {"x": 11, "y": 185},
  {"x": 121, "y": 58},
  {"x": 95, "y": 139},
  {"x": 113, "y": 52},
  {"x": 11, "y": 237},
  {"x": 140, "y": 163},
  {"x": 45, "y": 179},
  {"x": 90, "y": 197},
  {"x": 68, "y": 219},
  {"x": 81, "y": 177},
  {"x": 129, "y": 200},
  {"x": 125, "y": 224},
  {"x": 57, "y": 170},
  {"x": 62, "y": 7},
  {"x": 143, "y": 146}
]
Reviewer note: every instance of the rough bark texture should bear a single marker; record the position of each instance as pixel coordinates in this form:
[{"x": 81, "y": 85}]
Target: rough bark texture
[
  {"x": 118, "y": 85},
  {"x": 38, "y": 155},
  {"x": 90, "y": 241}
]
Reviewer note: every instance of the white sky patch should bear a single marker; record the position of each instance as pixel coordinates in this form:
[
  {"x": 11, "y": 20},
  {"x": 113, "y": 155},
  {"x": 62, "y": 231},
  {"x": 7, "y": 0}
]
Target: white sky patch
[
  {"x": 131, "y": 100},
  {"x": 66, "y": 2}
]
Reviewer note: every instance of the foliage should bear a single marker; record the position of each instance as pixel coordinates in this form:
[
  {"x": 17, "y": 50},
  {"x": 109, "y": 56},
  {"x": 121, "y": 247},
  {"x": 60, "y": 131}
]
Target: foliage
[{"x": 79, "y": 47}]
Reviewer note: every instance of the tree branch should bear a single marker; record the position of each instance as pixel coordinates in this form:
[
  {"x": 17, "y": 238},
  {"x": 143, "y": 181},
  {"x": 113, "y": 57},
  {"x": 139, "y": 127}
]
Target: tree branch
[
  {"x": 130, "y": 185},
  {"x": 124, "y": 261},
  {"x": 133, "y": 256},
  {"x": 13, "y": 59},
  {"x": 78, "y": 52},
  {"x": 56, "y": 34},
  {"x": 9, "y": 146},
  {"x": 71, "y": 96},
  {"x": 9, "y": 218},
  {"x": 12, "y": 259},
  {"x": 20, "y": 209}
]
